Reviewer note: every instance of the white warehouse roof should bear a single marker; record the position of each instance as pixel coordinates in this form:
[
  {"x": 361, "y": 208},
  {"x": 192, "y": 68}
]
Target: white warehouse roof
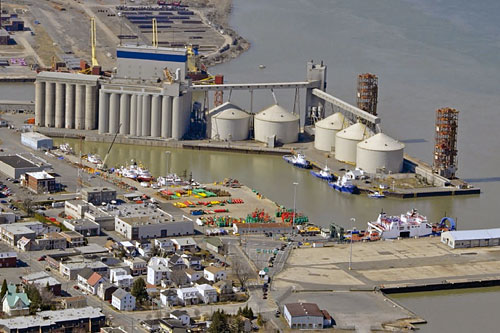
[{"x": 460, "y": 235}]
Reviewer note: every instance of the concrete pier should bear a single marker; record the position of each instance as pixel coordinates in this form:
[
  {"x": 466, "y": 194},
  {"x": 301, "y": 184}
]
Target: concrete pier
[
  {"x": 103, "y": 112},
  {"x": 146, "y": 115},
  {"x": 166, "y": 117},
  {"x": 80, "y": 107},
  {"x": 50, "y": 95},
  {"x": 156, "y": 116},
  {"x": 60, "y": 103},
  {"x": 125, "y": 114},
  {"x": 69, "y": 118},
  {"x": 40, "y": 103}
]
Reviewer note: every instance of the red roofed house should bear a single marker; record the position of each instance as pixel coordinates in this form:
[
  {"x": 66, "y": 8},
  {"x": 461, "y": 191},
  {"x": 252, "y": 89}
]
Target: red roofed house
[{"x": 91, "y": 283}]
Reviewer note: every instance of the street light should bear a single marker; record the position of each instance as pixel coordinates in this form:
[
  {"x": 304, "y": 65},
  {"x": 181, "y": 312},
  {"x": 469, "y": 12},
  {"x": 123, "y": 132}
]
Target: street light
[
  {"x": 353, "y": 220},
  {"x": 294, "y": 201}
]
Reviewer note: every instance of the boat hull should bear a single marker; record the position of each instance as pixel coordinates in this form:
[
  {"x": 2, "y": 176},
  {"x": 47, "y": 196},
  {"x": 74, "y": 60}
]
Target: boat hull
[
  {"x": 344, "y": 189},
  {"x": 320, "y": 176},
  {"x": 305, "y": 165}
]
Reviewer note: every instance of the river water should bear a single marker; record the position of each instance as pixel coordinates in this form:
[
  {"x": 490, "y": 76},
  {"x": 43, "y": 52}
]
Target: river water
[{"x": 427, "y": 54}]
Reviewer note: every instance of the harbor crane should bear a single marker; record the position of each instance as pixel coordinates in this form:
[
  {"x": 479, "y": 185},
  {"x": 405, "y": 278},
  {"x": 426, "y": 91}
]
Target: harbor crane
[
  {"x": 155, "y": 33},
  {"x": 93, "y": 41},
  {"x": 103, "y": 165}
]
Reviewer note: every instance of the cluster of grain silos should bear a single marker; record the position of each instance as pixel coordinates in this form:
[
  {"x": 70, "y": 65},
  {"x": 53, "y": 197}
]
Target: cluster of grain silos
[
  {"x": 326, "y": 130},
  {"x": 275, "y": 121},
  {"x": 380, "y": 152},
  {"x": 228, "y": 122},
  {"x": 66, "y": 100},
  {"x": 143, "y": 113}
]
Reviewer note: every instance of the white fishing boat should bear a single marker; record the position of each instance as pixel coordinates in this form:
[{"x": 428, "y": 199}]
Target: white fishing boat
[{"x": 95, "y": 159}]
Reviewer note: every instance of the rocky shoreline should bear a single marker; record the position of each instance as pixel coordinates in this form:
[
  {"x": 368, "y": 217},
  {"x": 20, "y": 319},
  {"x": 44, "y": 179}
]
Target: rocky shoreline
[{"x": 216, "y": 14}]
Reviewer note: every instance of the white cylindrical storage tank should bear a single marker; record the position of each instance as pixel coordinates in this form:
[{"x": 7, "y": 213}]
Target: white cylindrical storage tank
[
  {"x": 146, "y": 115},
  {"x": 40, "y": 103},
  {"x": 166, "y": 117},
  {"x": 326, "y": 129},
  {"x": 114, "y": 113},
  {"x": 90, "y": 104},
  {"x": 229, "y": 122},
  {"x": 346, "y": 142},
  {"x": 60, "y": 92},
  {"x": 50, "y": 96},
  {"x": 80, "y": 106},
  {"x": 124, "y": 114},
  {"x": 133, "y": 114},
  {"x": 275, "y": 120},
  {"x": 156, "y": 116},
  {"x": 69, "y": 119},
  {"x": 380, "y": 152},
  {"x": 103, "y": 112}
]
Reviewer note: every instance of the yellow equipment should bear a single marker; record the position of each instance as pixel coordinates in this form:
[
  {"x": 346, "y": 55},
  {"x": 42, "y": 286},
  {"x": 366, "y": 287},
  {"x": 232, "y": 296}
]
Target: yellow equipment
[
  {"x": 155, "y": 33},
  {"x": 93, "y": 41}
]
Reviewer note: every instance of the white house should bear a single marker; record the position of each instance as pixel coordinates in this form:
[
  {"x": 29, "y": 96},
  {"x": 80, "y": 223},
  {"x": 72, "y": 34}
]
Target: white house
[
  {"x": 207, "y": 293},
  {"x": 193, "y": 262},
  {"x": 14, "y": 303},
  {"x": 124, "y": 281},
  {"x": 123, "y": 300},
  {"x": 168, "y": 297},
  {"x": 137, "y": 266},
  {"x": 176, "y": 262},
  {"x": 303, "y": 316},
  {"x": 158, "y": 273},
  {"x": 89, "y": 280},
  {"x": 214, "y": 274},
  {"x": 193, "y": 275},
  {"x": 115, "y": 272},
  {"x": 165, "y": 245},
  {"x": 182, "y": 316},
  {"x": 184, "y": 244},
  {"x": 188, "y": 296}
]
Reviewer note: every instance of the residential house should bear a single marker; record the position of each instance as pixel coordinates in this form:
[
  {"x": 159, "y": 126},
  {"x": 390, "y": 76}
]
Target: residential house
[
  {"x": 144, "y": 248},
  {"x": 168, "y": 297},
  {"x": 8, "y": 259},
  {"x": 129, "y": 248},
  {"x": 171, "y": 325},
  {"x": 73, "y": 238},
  {"x": 215, "y": 244},
  {"x": 187, "y": 296},
  {"x": 115, "y": 272},
  {"x": 182, "y": 316},
  {"x": 193, "y": 275},
  {"x": 303, "y": 316},
  {"x": 123, "y": 300},
  {"x": 224, "y": 287},
  {"x": 14, "y": 303},
  {"x": 151, "y": 325},
  {"x": 158, "y": 273},
  {"x": 105, "y": 290},
  {"x": 137, "y": 266},
  {"x": 193, "y": 262},
  {"x": 74, "y": 302},
  {"x": 184, "y": 244},
  {"x": 207, "y": 293},
  {"x": 89, "y": 283},
  {"x": 165, "y": 245},
  {"x": 124, "y": 281},
  {"x": 176, "y": 262},
  {"x": 214, "y": 274}
]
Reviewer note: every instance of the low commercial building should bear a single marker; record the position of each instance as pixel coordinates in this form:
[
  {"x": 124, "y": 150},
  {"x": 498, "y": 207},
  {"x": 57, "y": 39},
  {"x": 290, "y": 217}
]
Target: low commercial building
[
  {"x": 471, "y": 238},
  {"x": 8, "y": 259},
  {"x": 75, "y": 208},
  {"x": 7, "y": 217},
  {"x": 260, "y": 228},
  {"x": 146, "y": 227},
  {"x": 14, "y": 166},
  {"x": 184, "y": 244},
  {"x": 88, "y": 319},
  {"x": 83, "y": 226},
  {"x": 12, "y": 233},
  {"x": 73, "y": 238},
  {"x": 42, "y": 280},
  {"x": 74, "y": 302},
  {"x": 214, "y": 244},
  {"x": 36, "y": 141},
  {"x": 304, "y": 316},
  {"x": 50, "y": 241},
  {"x": 98, "y": 195},
  {"x": 40, "y": 182}
]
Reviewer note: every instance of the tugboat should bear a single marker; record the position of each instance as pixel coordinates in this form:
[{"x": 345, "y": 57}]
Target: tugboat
[
  {"x": 325, "y": 174},
  {"x": 298, "y": 160},
  {"x": 345, "y": 185}
]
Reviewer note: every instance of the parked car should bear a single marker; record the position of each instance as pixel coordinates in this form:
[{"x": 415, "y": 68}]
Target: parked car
[{"x": 42, "y": 258}]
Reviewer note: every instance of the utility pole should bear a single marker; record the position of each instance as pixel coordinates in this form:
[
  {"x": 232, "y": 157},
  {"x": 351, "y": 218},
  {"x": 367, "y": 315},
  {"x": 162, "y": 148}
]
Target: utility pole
[
  {"x": 353, "y": 220},
  {"x": 294, "y": 206}
]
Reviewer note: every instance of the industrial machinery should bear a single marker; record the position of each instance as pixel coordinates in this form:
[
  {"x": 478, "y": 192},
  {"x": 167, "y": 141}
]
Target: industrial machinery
[
  {"x": 337, "y": 232},
  {"x": 94, "y": 68},
  {"x": 103, "y": 166},
  {"x": 368, "y": 93},
  {"x": 445, "y": 148}
]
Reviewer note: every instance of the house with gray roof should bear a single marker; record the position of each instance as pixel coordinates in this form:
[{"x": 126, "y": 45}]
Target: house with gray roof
[{"x": 123, "y": 300}]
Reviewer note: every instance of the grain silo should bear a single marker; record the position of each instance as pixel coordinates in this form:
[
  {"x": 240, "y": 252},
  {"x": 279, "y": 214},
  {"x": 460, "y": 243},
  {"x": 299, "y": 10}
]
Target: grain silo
[
  {"x": 346, "y": 142},
  {"x": 380, "y": 152},
  {"x": 228, "y": 122},
  {"x": 326, "y": 129},
  {"x": 276, "y": 121}
]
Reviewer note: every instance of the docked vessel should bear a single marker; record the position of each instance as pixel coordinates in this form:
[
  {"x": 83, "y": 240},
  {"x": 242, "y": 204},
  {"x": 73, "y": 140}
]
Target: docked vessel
[
  {"x": 298, "y": 160},
  {"x": 95, "y": 159},
  {"x": 325, "y": 174},
  {"x": 66, "y": 148},
  {"x": 376, "y": 195},
  {"x": 345, "y": 185},
  {"x": 411, "y": 224},
  {"x": 136, "y": 172}
]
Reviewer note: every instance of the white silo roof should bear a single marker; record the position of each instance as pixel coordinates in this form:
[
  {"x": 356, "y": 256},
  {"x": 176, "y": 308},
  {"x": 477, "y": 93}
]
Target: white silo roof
[
  {"x": 232, "y": 113},
  {"x": 276, "y": 113},
  {"x": 335, "y": 121},
  {"x": 357, "y": 132},
  {"x": 381, "y": 142},
  {"x": 228, "y": 109}
]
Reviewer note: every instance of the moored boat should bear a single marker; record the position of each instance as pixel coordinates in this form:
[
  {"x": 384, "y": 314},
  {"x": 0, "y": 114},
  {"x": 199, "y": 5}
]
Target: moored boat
[
  {"x": 376, "y": 195},
  {"x": 298, "y": 160},
  {"x": 411, "y": 224},
  {"x": 344, "y": 185},
  {"x": 95, "y": 159},
  {"x": 325, "y": 174}
]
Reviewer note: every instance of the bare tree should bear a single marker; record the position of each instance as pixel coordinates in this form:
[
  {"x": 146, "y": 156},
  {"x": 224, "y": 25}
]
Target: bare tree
[
  {"x": 28, "y": 206},
  {"x": 241, "y": 272},
  {"x": 178, "y": 277}
]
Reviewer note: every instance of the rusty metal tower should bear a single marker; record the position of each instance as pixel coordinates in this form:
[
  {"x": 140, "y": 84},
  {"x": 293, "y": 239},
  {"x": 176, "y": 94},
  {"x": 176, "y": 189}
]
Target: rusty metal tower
[
  {"x": 445, "y": 149},
  {"x": 368, "y": 93}
]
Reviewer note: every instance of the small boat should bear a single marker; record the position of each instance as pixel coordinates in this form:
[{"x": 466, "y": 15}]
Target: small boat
[
  {"x": 95, "y": 159},
  {"x": 325, "y": 174},
  {"x": 262, "y": 66},
  {"x": 298, "y": 160},
  {"x": 344, "y": 185},
  {"x": 143, "y": 175},
  {"x": 66, "y": 148},
  {"x": 376, "y": 195}
]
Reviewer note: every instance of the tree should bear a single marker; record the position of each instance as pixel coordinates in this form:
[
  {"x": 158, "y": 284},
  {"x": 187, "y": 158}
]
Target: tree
[
  {"x": 219, "y": 322},
  {"x": 237, "y": 325},
  {"x": 260, "y": 321},
  {"x": 28, "y": 206},
  {"x": 241, "y": 273},
  {"x": 246, "y": 312},
  {"x": 4, "y": 289},
  {"x": 34, "y": 297},
  {"x": 139, "y": 290},
  {"x": 178, "y": 277}
]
